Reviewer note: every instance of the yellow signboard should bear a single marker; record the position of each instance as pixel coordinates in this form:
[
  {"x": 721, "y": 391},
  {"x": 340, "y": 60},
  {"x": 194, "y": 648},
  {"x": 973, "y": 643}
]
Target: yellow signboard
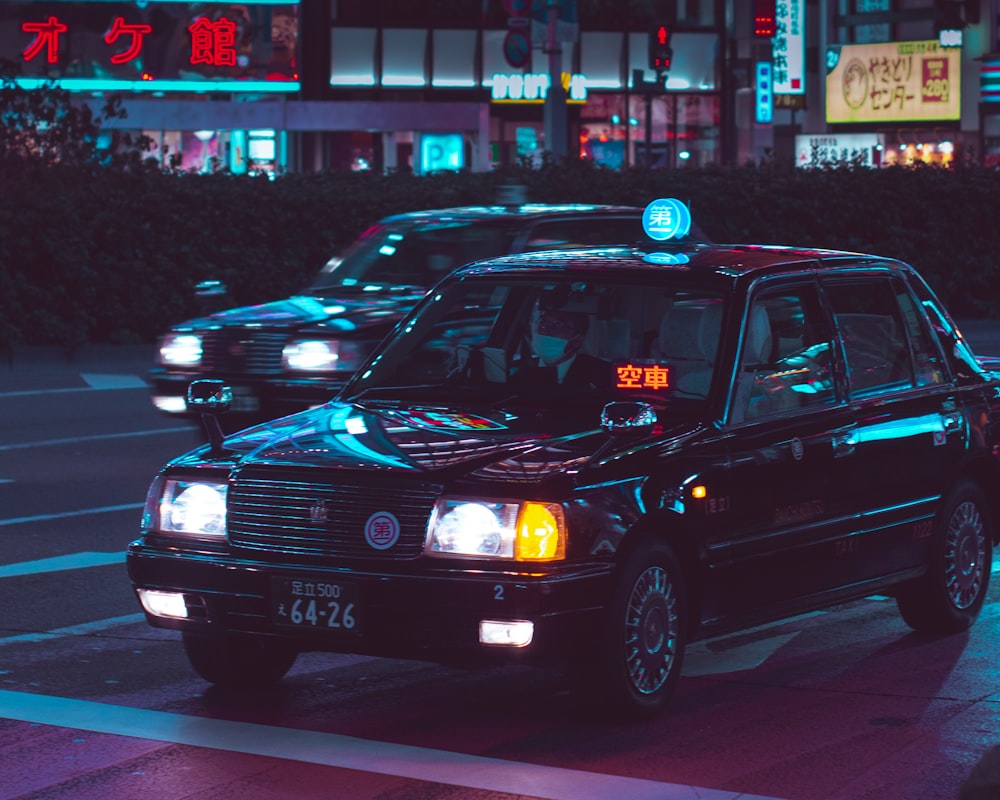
[{"x": 893, "y": 82}]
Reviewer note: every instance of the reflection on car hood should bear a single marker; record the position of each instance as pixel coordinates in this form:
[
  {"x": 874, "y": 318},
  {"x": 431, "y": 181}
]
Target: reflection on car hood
[
  {"x": 487, "y": 443},
  {"x": 340, "y": 313}
]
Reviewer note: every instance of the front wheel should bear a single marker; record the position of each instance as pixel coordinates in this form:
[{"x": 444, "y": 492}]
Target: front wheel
[
  {"x": 949, "y": 597},
  {"x": 643, "y": 637},
  {"x": 239, "y": 662}
]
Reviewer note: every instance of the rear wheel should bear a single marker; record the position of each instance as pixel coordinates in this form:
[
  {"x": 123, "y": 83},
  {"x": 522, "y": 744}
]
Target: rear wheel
[
  {"x": 239, "y": 662},
  {"x": 644, "y": 636},
  {"x": 950, "y": 596}
]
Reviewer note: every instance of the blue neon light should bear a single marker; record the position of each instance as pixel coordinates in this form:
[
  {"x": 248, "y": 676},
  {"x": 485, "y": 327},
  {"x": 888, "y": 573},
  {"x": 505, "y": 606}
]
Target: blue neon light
[
  {"x": 119, "y": 85},
  {"x": 666, "y": 218}
]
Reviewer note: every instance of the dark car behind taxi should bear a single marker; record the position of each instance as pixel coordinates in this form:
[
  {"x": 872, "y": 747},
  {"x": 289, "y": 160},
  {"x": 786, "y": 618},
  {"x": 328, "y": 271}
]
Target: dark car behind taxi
[
  {"x": 294, "y": 353},
  {"x": 589, "y": 459}
]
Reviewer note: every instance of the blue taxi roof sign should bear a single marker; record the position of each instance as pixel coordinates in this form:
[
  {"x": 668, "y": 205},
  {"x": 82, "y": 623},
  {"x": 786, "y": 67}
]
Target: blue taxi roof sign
[{"x": 665, "y": 219}]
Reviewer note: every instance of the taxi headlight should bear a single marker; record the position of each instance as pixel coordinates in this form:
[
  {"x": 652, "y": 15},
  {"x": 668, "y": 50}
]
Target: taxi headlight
[
  {"x": 478, "y": 528},
  {"x": 186, "y": 508},
  {"x": 180, "y": 350},
  {"x": 321, "y": 355}
]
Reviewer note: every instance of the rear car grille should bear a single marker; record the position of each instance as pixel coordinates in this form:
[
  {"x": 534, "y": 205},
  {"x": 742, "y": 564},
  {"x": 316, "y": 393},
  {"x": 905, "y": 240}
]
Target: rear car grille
[
  {"x": 237, "y": 350},
  {"x": 312, "y": 512}
]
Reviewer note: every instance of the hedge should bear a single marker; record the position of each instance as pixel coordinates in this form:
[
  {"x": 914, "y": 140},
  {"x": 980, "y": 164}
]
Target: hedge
[{"x": 90, "y": 255}]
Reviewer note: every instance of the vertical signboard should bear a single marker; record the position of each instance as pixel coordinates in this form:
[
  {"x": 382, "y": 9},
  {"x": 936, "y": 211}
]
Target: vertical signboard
[
  {"x": 765, "y": 96},
  {"x": 788, "y": 48},
  {"x": 893, "y": 82}
]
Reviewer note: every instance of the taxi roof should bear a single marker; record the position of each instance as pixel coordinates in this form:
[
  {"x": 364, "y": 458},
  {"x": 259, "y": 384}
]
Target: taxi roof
[
  {"x": 522, "y": 210},
  {"x": 698, "y": 260}
]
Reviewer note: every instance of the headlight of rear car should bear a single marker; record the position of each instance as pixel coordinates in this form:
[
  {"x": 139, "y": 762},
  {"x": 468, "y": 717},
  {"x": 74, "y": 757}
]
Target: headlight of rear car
[
  {"x": 180, "y": 350},
  {"x": 186, "y": 508},
  {"x": 322, "y": 355},
  {"x": 518, "y": 530}
]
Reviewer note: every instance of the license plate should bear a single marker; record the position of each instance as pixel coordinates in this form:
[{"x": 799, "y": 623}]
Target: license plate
[
  {"x": 244, "y": 400},
  {"x": 312, "y": 604}
]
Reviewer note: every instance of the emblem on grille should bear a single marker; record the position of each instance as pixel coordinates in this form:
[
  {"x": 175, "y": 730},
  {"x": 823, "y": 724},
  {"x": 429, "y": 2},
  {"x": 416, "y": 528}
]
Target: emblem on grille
[
  {"x": 239, "y": 348},
  {"x": 382, "y": 530},
  {"x": 318, "y": 511}
]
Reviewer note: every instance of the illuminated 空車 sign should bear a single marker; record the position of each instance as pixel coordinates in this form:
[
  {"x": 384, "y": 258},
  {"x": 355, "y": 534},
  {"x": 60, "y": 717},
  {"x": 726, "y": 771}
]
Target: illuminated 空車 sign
[
  {"x": 894, "y": 82},
  {"x": 154, "y": 46},
  {"x": 642, "y": 376}
]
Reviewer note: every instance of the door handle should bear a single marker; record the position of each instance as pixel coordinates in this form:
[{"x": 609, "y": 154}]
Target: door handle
[{"x": 845, "y": 441}]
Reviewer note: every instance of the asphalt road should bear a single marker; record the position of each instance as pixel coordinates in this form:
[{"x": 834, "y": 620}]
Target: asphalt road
[{"x": 846, "y": 704}]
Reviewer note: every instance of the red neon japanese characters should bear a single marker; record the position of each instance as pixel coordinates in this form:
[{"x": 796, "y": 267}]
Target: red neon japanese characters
[
  {"x": 119, "y": 28},
  {"x": 47, "y": 37},
  {"x": 213, "y": 42},
  {"x": 653, "y": 377}
]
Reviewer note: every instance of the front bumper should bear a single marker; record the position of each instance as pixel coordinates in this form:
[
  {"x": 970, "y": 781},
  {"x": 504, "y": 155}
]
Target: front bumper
[{"x": 428, "y": 616}]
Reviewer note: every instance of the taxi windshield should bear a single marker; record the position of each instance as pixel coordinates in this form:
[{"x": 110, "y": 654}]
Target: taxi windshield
[
  {"x": 593, "y": 341},
  {"x": 412, "y": 254}
]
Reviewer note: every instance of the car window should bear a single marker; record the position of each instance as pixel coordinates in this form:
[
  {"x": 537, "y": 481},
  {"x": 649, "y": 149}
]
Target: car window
[
  {"x": 414, "y": 255},
  {"x": 927, "y": 361},
  {"x": 785, "y": 363},
  {"x": 598, "y": 231},
  {"x": 873, "y": 334},
  {"x": 588, "y": 342}
]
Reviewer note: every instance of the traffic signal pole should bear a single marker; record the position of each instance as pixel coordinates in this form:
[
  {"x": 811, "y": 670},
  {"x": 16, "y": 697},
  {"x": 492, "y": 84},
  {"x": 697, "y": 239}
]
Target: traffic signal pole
[{"x": 556, "y": 133}]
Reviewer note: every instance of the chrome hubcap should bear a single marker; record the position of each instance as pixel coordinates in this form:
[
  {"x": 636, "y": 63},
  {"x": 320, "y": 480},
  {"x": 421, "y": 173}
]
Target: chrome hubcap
[
  {"x": 965, "y": 555},
  {"x": 651, "y": 630}
]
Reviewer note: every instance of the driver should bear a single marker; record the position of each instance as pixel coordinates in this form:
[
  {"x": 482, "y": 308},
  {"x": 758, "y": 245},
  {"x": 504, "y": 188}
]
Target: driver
[{"x": 556, "y": 337}]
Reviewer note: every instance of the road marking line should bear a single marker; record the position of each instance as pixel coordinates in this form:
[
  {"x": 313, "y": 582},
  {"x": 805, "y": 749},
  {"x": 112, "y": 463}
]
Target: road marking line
[
  {"x": 59, "y": 563},
  {"x": 63, "y": 514},
  {"x": 98, "y": 437},
  {"x": 64, "y": 390},
  {"x": 348, "y": 752},
  {"x": 83, "y": 629},
  {"x": 102, "y": 381}
]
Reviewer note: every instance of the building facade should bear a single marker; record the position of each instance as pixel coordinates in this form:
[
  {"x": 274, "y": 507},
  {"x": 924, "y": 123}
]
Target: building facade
[{"x": 455, "y": 84}]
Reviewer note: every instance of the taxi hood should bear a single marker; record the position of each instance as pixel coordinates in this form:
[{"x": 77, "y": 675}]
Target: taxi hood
[
  {"x": 507, "y": 444},
  {"x": 341, "y": 313}
]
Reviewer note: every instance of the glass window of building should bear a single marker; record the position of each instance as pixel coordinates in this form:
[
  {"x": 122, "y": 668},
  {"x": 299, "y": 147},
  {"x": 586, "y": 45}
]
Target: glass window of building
[
  {"x": 352, "y": 57},
  {"x": 601, "y": 59},
  {"x": 454, "y": 58},
  {"x": 403, "y": 56}
]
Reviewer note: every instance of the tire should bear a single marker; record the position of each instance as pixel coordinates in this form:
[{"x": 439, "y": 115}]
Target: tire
[
  {"x": 239, "y": 662},
  {"x": 643, "y": 637},
  {"x": 950, "y": 596}
]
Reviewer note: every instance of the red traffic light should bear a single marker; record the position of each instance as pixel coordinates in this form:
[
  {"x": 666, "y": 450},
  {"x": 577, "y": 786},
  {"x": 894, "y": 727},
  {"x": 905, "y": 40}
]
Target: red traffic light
[
  {"x": 765, "y": 24},
  {"x": 660, "y": 52}
]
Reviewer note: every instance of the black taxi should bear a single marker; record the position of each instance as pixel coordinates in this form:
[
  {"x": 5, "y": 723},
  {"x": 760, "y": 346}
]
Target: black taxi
[
  {"x": 292, "y": 353},
  {"x": 590, "y": 459}
]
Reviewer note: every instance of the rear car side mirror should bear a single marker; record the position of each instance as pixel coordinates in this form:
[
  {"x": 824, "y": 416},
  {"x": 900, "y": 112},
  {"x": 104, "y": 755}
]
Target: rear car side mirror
[{"x": 210, "y": 398}]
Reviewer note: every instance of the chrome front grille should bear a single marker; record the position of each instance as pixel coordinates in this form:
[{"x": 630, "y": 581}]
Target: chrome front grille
[
  {"x": 317, "y": 514},
  {"x": 238, "y": 350}
]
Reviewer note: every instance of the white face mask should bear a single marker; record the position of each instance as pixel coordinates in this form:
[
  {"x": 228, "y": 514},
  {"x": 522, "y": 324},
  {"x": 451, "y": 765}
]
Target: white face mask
[{"x": 549, "y": 349}]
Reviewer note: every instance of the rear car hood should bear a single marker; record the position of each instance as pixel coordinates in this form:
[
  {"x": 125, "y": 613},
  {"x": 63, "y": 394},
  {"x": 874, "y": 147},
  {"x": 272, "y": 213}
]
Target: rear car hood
[{"x": 303, "y": 310}]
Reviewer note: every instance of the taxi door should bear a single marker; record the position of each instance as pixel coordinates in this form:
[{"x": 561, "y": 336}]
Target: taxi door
[
  {"x": 910, "y": 427},
  {"x": 785, "y": 496}
]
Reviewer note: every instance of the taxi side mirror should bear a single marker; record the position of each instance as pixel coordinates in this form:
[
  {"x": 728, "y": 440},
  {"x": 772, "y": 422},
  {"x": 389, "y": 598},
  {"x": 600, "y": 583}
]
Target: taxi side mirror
[
  {"x": 210, "y": 398},
  {"x": 628, "y": 418}
]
